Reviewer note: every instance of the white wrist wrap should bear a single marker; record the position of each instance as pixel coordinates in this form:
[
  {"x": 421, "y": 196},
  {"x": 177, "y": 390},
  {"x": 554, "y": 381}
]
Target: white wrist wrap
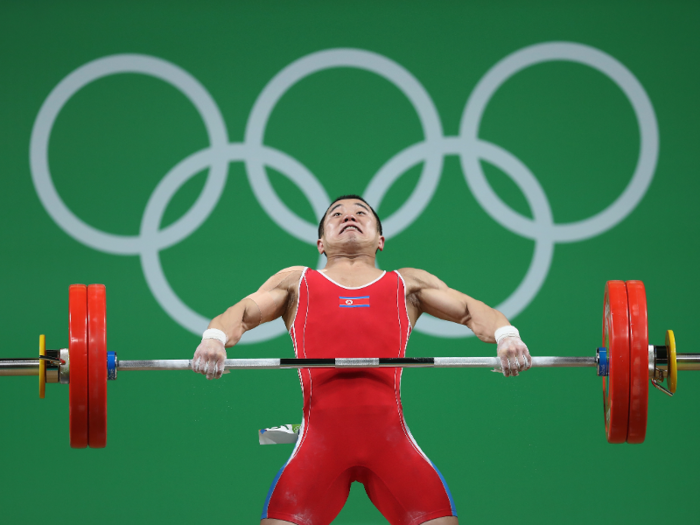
[
  {"x": 213, "y": 333},
  {"x": 506, "y": 331}
]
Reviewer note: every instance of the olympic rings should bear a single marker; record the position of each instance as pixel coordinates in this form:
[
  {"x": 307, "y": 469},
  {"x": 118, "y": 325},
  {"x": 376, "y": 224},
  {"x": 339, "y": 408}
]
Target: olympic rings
[{"x": 431, "y": 152}]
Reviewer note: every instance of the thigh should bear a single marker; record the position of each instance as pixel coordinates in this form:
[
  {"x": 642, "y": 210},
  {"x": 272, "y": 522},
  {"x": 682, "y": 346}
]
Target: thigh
[
  {"x": 308, "y": 490},
  {"x": 405, "y": 485}
]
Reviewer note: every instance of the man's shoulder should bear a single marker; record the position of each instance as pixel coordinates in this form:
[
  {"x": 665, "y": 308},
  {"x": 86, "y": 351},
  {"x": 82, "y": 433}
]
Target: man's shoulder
[
  {"x": 417, "y": 279},
  {"x": 298, "y": 269},
  {"x": 289, "y": 277},
  {"x": 413, "y": 273}
]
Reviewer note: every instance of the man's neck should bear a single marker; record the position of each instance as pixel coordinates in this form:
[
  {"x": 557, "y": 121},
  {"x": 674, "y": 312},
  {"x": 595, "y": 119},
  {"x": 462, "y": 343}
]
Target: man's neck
[{"x": 351, "y": 262}]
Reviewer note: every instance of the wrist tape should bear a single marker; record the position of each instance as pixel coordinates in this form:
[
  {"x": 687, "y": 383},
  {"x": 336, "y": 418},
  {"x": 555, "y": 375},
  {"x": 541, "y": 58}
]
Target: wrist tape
[
  {"x": 506, "y": 331},
  {"x": 213, "y": 333}
]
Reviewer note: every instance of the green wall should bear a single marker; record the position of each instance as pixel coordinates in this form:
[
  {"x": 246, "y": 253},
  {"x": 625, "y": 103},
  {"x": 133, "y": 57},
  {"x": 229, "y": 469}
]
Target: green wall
[{"x": 559, "y": 142}]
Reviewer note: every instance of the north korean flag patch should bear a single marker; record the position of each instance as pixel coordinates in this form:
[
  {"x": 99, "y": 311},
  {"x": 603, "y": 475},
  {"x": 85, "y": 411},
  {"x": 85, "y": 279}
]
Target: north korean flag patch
[{"x": 354, "y": 302}]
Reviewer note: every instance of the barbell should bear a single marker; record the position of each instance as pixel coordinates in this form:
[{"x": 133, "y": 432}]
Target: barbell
[{"x": 626, "y": 362}]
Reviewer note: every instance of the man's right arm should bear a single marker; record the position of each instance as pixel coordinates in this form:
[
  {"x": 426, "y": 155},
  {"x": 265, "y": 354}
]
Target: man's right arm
[{"x": 268, "y": 303}]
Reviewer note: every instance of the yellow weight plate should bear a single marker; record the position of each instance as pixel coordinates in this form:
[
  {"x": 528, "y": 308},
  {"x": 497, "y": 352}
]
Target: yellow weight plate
[
  {"x": 672, "y": 366},
  {"x": 42, "y": 366}
]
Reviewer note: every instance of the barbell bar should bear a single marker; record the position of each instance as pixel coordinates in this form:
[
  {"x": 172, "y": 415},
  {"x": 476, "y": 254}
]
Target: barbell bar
[
  {"x": 357, "y": 362},
  {"x": 626, "y": 362},
  {"x": 30, "y": 367}
]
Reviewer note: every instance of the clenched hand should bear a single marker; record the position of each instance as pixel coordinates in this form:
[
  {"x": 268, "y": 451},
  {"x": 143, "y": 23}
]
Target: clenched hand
[{"x": 209, "y": 358}]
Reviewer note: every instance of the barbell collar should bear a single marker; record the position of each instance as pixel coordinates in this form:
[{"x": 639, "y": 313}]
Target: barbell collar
[{"x": 64, "y": 369}]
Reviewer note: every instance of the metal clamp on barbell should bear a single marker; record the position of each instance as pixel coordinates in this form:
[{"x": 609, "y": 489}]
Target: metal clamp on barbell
[{"x": 665, "y": 362}]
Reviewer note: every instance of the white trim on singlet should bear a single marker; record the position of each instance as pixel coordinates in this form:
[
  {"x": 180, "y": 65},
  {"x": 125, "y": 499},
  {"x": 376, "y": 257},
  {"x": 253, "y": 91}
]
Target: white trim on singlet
[
  {"x": 353, "y": 287},
  {"x": 307, "y": 421},
  {"x": 303, "y": 273},
  {"x": 398, "y": 313},
  {"x": 302, "y": 429},
  {"x": 405, "y": 303},
  {"x": 414, "y": 443},
  {"x": 292, "y": 329},
  {"x": 306, "y": 314},
  {"x": 294, "y": 334}
]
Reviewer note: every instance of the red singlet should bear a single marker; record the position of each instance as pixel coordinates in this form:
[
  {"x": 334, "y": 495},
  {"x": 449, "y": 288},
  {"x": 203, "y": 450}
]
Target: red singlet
[{"x": 353, "y": 427}]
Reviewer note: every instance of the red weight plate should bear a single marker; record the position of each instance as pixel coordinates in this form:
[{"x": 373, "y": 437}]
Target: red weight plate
[
  {"x": 639, "y": 362},
  {"x": 78, "y": 352},
  {"x": 97, "y": 365},
  {"x": 616, "y": 387}
]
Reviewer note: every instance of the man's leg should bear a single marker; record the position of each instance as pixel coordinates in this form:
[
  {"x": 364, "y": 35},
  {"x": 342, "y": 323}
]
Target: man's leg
[{"x": 268, "y": 521}]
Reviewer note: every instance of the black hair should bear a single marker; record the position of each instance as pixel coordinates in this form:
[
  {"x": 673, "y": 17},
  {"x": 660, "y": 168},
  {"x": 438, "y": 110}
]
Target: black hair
[{"x": 343, "y": 197}]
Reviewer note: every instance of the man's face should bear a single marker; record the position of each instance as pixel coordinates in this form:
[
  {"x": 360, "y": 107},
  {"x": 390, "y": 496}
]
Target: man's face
[{"x": 350, "y": 225}]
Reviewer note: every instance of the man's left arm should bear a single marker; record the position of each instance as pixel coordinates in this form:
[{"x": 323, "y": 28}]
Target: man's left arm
[{"x": 426, "y": 293}]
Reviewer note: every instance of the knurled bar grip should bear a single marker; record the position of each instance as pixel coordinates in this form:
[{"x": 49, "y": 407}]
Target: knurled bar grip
[{"x": 388, "y": 362}]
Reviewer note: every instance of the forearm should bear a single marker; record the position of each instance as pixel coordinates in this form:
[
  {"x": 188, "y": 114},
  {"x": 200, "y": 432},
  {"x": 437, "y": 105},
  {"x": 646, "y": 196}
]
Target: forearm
[
  {"x": 484, "y": 320},
  {"x": 237, "y": 320}
]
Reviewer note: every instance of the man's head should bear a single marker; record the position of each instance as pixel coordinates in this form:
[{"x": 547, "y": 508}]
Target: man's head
[{"x": 350, "y": 222}]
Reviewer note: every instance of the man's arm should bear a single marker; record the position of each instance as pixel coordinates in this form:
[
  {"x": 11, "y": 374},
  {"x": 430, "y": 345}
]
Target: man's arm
[
  {"x": 268, "y": 303},
  {"x": 426, "y": 293}
]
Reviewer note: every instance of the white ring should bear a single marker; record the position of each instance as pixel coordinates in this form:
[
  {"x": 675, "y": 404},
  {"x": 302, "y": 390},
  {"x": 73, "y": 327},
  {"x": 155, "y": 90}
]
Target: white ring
[
  {"x": 59, "y": 96},
  {"x": 626, "y": 81},
  {"x": 431, "y": 151},
  {"x": 313, "y": 63},
  {"x": 157, "y": 204},
  {"x": 544, "y": 245}
]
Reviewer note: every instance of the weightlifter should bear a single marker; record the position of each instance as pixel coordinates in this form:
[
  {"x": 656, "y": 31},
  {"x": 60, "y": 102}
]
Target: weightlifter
[{"x": 353, "y": 427}]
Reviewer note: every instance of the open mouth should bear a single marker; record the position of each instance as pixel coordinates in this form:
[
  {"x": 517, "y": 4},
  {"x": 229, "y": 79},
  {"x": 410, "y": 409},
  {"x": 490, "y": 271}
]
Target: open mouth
[{"x": 350, "y": 227}]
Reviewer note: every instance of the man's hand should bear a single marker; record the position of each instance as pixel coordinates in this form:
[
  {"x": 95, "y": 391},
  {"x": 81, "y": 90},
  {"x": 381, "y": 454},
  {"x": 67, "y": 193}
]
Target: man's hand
[
  {"x": 209, "y": 358},
  {"x": 514, "y": 356}
]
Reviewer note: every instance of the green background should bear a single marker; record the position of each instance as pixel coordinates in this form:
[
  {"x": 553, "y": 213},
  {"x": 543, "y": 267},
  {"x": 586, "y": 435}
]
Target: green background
[{"x": 184, "y": 450}]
